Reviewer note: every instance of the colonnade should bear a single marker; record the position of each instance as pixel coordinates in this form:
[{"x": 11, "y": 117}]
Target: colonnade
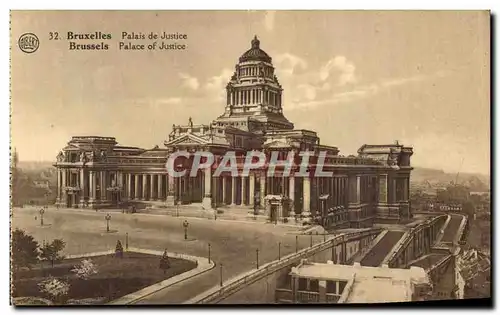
[
  {"x": 254, "y": 96},
  {"x": 350, "y": 191}
]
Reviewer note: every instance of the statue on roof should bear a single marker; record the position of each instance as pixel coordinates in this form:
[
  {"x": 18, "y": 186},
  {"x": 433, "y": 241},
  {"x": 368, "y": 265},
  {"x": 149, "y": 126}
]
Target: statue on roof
[
  {"x": 103, "y": 155},
  {"x": 60, "y": 156},
  {"x": 190, "y": 122},
  {"x": 83, "y": 157}
]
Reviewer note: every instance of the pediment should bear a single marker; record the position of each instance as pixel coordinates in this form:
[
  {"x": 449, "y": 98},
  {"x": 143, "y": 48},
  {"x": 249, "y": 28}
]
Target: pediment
[
  {"x": 71, "y": 147},
  {"x": 188, "y": 139},
  {"x": 277, "y": 144}
]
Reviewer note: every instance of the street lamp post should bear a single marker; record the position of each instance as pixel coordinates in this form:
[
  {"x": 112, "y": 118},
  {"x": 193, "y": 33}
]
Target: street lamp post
[
  {"x": 185, "y": 225},
  {"x": 107, "y": 217},
  {"x": 311, "y": 238},
  {"x": 296, "y": 243},
  {"x": 279, "y": 251},
  {"x": 126, "y": 241},
  {"x": 257, "y": 260},
  {"x": 209, "y": 253},
  {"x": 42, "y": 211},
  {"x": 221, "y": 275}
]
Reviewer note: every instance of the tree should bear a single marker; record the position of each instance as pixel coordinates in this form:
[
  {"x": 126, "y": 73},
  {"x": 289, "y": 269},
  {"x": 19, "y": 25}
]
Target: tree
[
  {"x": 164, "y": 262},
  {"x": 119, "y": 249},
  {"x": 86, "y": 269},
  {"x": 51, "y": 251},
  {"x": 56, "y": 289},
  {"x": 24, "y": 250}
]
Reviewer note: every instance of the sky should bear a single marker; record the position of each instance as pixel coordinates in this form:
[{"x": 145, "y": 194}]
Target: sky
[{"x": 365, "y": 77}]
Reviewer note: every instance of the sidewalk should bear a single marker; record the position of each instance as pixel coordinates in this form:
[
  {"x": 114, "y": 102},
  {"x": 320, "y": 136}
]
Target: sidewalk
[
  {"x": 202, "y": 266},
  {"x": 161, "y": 212}
]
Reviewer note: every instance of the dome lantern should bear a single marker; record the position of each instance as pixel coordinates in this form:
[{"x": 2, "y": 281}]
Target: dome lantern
[{"x": 255, "y": 53}]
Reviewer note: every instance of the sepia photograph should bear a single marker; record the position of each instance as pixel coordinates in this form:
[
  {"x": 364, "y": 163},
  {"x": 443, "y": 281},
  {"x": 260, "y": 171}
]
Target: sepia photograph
[{"x": 250, "y": 157}]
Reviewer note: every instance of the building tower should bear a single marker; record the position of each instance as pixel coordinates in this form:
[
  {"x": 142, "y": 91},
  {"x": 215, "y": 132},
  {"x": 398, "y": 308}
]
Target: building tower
[{"x": 254, "y": 91}]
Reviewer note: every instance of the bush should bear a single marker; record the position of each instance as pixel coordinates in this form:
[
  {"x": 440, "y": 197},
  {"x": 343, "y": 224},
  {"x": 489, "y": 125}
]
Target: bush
[
  {"x": 55, "y": 289},
  {"x": 86, "y": 269},
  {"x": 51, "y": 251},
  {"x": 24, "y": 250}
]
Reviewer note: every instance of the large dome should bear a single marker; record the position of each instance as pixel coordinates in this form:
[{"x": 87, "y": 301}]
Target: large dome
[{"x": 255, "y": 53}]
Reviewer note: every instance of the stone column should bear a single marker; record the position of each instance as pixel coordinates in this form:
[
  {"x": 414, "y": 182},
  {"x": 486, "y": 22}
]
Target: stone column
[
  {"x": 128, "y": 186},
  {"x": 234, "y": 191},
  {"x": 224, "y": 190},
  {"x": 136, "y": 187},
  {"x": 59, "y": 188},
  {"x": 306, "y": 191},
  {"x": 406, "y": 189},
  {"x": 243, "y": 190},
  {"x": 382, "y": 190},
  {"x": 103, "y": 186},
  {"x": 393, "y": 190},
  {"x": 291, "y": 194},
  {"x": 144, "y": 186},
  {"x": 170, "y": 201},
  {"x": 93, "y": 184},
  {"x": 151, "y": 187},
  {"x": 207, "y": 189},
  {"x": 82, "y": 187},
  {"x": 251, "y": 189},
  {"x": 160, "y": 187},
  {"x": 354, "y": 183},
  {"x": 64, "y": 195},
  {"x": 263, "y": 190}
]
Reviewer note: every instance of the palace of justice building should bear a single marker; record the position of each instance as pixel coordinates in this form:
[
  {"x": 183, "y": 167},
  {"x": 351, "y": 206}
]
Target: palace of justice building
[{"x": 97, "y": 172}]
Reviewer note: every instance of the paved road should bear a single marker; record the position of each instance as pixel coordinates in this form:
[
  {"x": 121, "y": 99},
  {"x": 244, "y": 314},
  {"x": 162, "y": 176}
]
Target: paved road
[
  {"x": 377, "y": 254},
  {"x": 452, "y": 228},
  {"x": 429, "y": 260},
  {"x": 233, "y": 244}
]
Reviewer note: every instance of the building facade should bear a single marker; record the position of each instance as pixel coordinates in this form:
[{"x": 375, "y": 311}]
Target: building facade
[
  {"x": 374, "y": 185},
  {"x": 334, "y": 284}
]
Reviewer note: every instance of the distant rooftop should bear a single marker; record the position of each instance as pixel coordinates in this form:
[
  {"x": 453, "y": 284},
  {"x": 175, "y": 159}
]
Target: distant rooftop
[{"x": 367, "y": 284}]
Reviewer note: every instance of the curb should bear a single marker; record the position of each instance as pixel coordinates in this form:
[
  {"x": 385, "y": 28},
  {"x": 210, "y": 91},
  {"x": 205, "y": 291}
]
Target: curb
[
  {"x": 113, "y": 211},
  {"x": 203, "y": 266}
]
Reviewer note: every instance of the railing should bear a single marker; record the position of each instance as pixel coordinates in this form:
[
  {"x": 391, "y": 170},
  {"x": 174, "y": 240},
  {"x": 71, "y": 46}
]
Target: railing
[
  {"x": 285, "y": 295},
  {"x": 332, "y": 298},
  {"x": 307, "y": 297},
  {"x": 461, "y": 228},
  {"x": 433, "y": 271},
  {"x": 271, "y": 267},
  {"x": 347, "y": 290},
  {"x": 402, "y": 245},
  {"x": 86, "y": 138}
]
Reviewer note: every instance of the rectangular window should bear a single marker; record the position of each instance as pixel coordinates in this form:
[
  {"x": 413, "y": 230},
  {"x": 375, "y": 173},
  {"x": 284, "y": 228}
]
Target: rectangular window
[
  {"x": 314, "y": 285},
  {"x": 331, "y": 287},
  {"x": 342, "y": 285},
  {"x": 302, "y": 284}
]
